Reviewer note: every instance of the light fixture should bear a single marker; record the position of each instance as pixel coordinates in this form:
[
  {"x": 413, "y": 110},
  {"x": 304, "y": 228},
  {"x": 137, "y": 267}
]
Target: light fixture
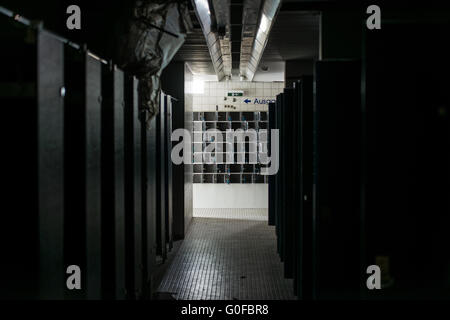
[
  {"x": 264, "y": 24},
  {"x": 204, "y": 5}
]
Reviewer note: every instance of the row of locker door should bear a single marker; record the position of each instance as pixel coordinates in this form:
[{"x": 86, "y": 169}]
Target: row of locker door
[
  {"x": 86, "y": 176},
  {"x": 313, "y": 197},
  {"x": 364, "y": 171}
]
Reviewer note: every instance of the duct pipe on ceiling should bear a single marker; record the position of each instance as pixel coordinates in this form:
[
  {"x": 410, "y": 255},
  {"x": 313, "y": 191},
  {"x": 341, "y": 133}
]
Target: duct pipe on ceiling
[
  {"x": 255, "y": 36},
  {"x": 221, "y": 62}
]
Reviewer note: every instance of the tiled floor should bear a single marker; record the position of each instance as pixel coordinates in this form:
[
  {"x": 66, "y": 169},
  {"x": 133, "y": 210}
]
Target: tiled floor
[
  {"x": 229, "y": 213},
  {"x": 227, "y": 259}
]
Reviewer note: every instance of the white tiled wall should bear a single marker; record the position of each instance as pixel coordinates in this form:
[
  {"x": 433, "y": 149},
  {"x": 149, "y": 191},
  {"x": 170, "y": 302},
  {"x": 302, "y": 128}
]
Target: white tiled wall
[
  {"x": 215, "y": 93},
  {"x": 236, "y": 195}
]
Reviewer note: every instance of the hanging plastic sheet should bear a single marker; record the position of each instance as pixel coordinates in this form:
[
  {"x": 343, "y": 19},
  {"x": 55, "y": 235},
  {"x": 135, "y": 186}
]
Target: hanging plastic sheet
[{"x": 156, "y": 31}]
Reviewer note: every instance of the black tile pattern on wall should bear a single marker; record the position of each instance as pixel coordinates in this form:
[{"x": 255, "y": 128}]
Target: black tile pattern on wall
[{"x": 252, "y": 123}]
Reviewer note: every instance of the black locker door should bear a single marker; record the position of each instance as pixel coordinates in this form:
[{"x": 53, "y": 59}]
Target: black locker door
[
  {"x": 82, "y": 170},
  {"x": 288, "y": 165},
  {"x": 93, "y": 177},
  {"x": 272, "y": 125},
  {"x": 113, "y": 184},
  {"x": 278, "y": 176},
  {"x": 50, "y": 165},
  {"x": 305, "y": 254},
  {"x": 144, "y": 200},
  {"x": 160, "y": 181},
  {"x": 283, "y": 127},
  {"x": 407, "y": 176},
  {"x": 31, "y": 231},
  {"x": 148, "y": 200},
  {"x": 119, "y": 177},
  {"x": 168, "y": 172},
  {"x": 151, "y": 198},
  {"x": 133, "y": 209},
  {"x": 336, "y": 188},
  {"x": 74, "y": 166},
  {"x": 295, "y": 174},
  {"x": 295, "y": 167}
]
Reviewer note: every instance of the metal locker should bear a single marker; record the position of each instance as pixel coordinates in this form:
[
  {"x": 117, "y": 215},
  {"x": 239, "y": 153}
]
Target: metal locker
[
  {"x": 336, "y": 193},
  {"x": 31, "y": 232},
  {"x": 93, "y": 177},
  {"x": 304, "y": 225},
  {"x": 222, "y": 116},
  {"x": 133, "y": 196},
  {"x": 209, "y": 116},
  {"x": 50, "y": 164},
  {"x": 220, "y": 178},
  {"x": 144, "y": 205},
  {"x": 406, "y": 168},
  {"x": 246, "y": 178},
  {"x": 257, "y": 178},
  {"x": 168, "y": 171},
  {"x": 161, "y": 190},
  {"x": 151, "y": 192},
  {"x": 82, "y": 169},
  {"x": 288, "y": 165},
  {"x": 113, "y": 183},
  {"x": 280, "y": 178},
  {"x": 271, "y": 183}
]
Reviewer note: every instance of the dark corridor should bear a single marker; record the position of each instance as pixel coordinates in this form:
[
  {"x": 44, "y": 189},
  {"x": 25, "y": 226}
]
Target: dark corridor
[{"x": 344, "y": 194}]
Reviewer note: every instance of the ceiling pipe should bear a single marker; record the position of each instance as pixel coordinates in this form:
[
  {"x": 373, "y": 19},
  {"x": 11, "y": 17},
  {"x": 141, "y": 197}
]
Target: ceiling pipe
[
  {"x": 205, "y": 12},
  {"x": 255, "y": 35},
  {"x": 222, "y": 16}
]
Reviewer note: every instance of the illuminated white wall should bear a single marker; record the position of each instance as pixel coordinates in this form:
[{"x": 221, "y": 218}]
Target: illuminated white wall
[{"x": 210, "y": 195}]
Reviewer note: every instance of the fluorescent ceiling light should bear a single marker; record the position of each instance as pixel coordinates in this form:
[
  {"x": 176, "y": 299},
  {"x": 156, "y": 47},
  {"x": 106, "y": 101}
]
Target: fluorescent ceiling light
[
  {"x": 204, "y": 5},
  {"x": 264, "y": 24}
]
